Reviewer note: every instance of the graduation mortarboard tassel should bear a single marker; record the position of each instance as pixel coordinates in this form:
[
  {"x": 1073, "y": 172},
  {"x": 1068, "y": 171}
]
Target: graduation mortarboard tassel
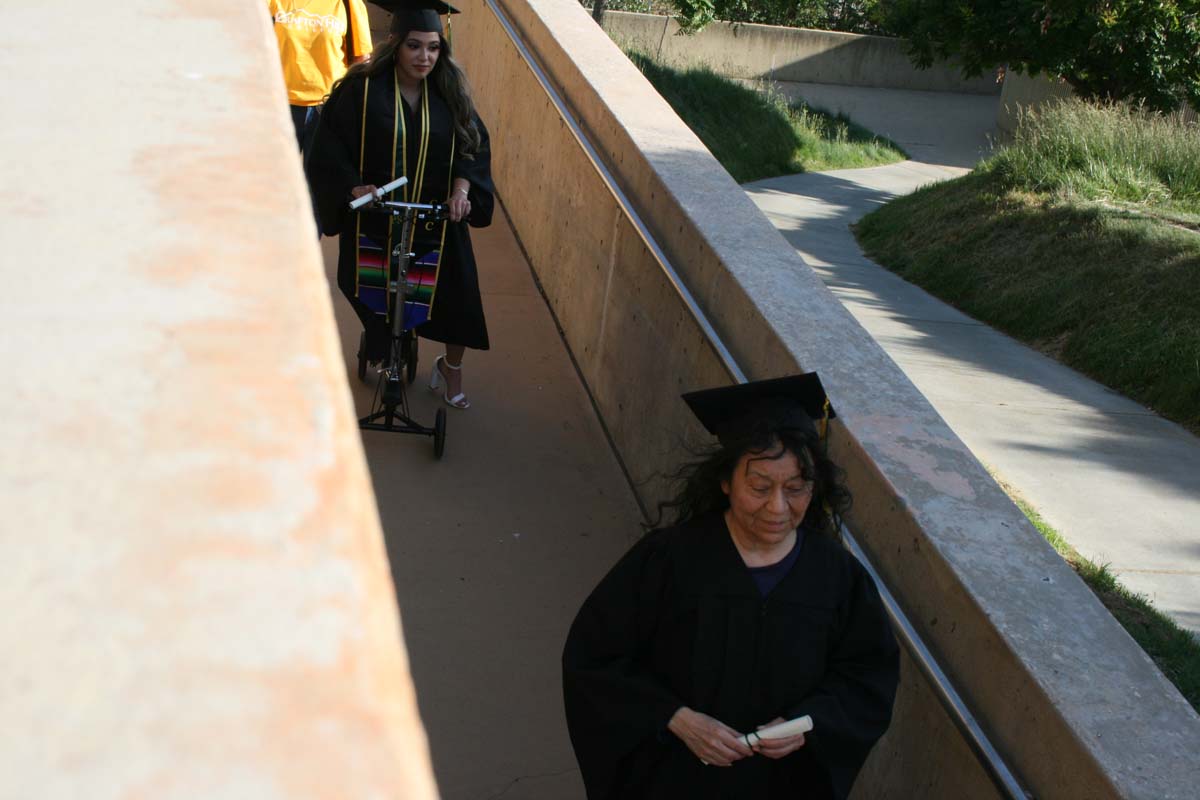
[
  {"x": 423, "y": 16},
  {"x": 729, "y": 410}
]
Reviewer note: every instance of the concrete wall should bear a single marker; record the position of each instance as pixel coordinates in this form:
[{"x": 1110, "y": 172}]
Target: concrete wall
[
  {"x": 1023, "y": 91},
  {"x": 618, "y": 312},
  {"x": 1078, "y": 709},
  {"x": 799, "y": 55},
  {"x": 196, "y": 597}
]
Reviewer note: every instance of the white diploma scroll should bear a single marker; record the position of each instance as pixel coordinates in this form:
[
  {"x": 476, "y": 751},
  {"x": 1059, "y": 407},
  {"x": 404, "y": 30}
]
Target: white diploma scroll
[
  {"x": 781, "y": 731},
  {"x": 359, "y": 202}
]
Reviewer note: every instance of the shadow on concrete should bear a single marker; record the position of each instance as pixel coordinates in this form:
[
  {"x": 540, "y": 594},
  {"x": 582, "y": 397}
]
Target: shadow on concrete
[
  {"x": 494, "y": 548},
  {"x": 873, "y": 63},
  {"x": 942, "y": 128}
]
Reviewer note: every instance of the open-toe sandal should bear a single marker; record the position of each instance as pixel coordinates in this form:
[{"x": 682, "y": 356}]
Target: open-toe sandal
[{"x": 437, "y": 380}]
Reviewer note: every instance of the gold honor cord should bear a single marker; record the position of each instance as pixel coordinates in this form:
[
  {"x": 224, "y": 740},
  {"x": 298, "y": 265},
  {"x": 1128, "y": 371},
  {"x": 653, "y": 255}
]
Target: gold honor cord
[
  {"x": 397, "y": 130},
  {"x": 362, "y": 151},
  {"x": 423, "y": 147},
  {"x": 399, "y": 127},
  {"x": 445, "y": 224}
]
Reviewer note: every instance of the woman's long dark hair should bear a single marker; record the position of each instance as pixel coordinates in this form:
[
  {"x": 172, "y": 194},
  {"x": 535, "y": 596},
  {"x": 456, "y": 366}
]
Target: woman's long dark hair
[
  {"x": 448, "y": 80},
  {"x": 768, "y": 437}
]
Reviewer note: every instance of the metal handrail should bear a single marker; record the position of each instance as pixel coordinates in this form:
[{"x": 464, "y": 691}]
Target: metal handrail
[
  {"x": 714, "y": 341},
  {"x": 989, "y": 758},
  {"x": 981, "y": 746}
]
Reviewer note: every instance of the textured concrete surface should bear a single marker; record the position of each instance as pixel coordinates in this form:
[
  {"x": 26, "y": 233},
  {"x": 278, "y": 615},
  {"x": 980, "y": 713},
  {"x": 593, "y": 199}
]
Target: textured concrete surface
[
  {"x": 1022, "y": 91},
  {"x": 494, "y": 548},
  {"x": 195, "y": 591},
  {"x": 961, "y": 133},
  {"x": 771, "y": 52},
  {"x": 620, "y": 313},
  {"x": 983, "y": 588},
  {"x": 1121, "y": 484}
]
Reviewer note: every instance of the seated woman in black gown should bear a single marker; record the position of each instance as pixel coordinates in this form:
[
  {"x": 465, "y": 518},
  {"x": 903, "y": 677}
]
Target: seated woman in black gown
[
  {"x": 747, "y": 612},
  {"x": 408, "y": 113}
]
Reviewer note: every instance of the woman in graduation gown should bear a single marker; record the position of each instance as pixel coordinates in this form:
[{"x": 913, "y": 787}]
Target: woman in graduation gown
[
  {"x": 745, "y": 613},
  {"x": 408, "y": 112}
]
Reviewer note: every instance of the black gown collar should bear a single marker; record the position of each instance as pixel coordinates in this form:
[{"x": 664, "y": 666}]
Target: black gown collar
[{"x": 718, "y": 556}]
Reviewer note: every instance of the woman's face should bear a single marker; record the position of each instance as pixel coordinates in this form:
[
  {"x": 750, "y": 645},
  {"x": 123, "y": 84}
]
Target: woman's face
[
  {"x": 768, "y": 497},
  {"x": 417, "y": 54}
]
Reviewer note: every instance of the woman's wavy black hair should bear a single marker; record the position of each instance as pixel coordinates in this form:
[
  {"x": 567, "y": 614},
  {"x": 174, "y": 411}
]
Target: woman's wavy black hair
[{"x": 767, "y": 436}]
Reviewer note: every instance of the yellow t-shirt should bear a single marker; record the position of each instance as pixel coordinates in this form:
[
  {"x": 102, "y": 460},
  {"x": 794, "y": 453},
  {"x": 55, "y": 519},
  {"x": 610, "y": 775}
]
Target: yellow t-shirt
[{"x": 312, "y": 43}]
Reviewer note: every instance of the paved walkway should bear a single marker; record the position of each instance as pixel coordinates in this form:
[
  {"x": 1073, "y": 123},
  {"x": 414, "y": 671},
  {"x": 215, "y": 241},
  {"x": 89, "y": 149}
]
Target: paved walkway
[
  {"x": 1120, "y": 484},
  {"x": 494, "y": 548}
]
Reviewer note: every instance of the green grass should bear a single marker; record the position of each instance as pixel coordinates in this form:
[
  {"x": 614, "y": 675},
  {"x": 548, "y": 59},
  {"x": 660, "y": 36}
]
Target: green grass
[
  {"x": 1173, "y": 649},
  {"x": 1049, "y": 242},
  {"x": 1112, "y": 153},
  {"x": 758, "y": 135}
]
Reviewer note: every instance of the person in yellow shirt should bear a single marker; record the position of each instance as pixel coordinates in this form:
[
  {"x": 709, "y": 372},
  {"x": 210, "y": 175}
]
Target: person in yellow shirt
[{"x": 318, "y": 40}]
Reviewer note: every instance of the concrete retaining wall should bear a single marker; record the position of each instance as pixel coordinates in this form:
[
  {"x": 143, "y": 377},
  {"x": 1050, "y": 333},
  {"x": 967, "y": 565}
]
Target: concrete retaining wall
[
  {"x": 619, "y": 314},
  {"x": 1078, "y": 709},
  {"x": 1023, "y": 91},
  {"x": 770, "y": 52},
  {"x": 197, "y": 602}
]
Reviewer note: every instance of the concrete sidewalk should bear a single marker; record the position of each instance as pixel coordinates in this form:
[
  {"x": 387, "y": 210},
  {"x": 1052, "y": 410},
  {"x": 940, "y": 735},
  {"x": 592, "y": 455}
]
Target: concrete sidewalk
[
  {"x": 942, "y": 128},
  {"x": 494, "y": 548},
  {"x": 1120, "y": 484}
]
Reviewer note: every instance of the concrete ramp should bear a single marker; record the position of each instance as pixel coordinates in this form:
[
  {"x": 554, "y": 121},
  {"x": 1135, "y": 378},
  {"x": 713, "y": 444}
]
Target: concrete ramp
[
  {"x": 618, "y": 205},
  {"x": 494, "y": 548}
]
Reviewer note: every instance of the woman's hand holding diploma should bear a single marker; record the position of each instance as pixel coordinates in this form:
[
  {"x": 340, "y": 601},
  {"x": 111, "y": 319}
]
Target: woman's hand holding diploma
[
  {"x": 363, "y": 191},
  {"x": 710, "y": 740},
  {"x": 373, "y": 193},
  {"x": 779, "y": 737}
]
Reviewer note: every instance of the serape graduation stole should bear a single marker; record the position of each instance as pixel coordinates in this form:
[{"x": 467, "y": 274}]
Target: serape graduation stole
[{"x": 374, "y": 264}]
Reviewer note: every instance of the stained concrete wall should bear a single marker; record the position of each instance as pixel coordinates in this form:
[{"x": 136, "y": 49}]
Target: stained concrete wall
[
  {"x": 618, "y": 312},
  {"x": 1076, "y": 707},
  {"x": 770, "y": 52},
  {"x": 196, "y": 597},
  {"x": 1023, "y": 91}
]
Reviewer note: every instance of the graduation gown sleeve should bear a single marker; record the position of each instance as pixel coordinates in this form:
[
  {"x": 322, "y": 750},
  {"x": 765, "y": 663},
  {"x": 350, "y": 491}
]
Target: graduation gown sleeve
[
  {"x": 478, "y": 171},
  {"x": 613, "y": 701},
  {"x": 329, "y": 163}
]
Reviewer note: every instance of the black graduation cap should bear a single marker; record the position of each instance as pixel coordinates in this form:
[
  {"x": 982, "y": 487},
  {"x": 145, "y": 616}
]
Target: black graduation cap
[
  {"x": 795, "y": 401},
  {"x": 424, "y": 16}
]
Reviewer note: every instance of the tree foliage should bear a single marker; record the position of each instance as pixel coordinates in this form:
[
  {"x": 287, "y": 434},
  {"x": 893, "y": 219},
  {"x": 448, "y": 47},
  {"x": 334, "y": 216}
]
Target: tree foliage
[
  {"x": 1146, "y": 51},
  {"x": 854, "y": 16}
]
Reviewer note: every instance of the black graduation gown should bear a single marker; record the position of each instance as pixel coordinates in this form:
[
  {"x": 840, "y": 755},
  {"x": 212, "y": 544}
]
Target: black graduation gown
[
  {"x": 332, "y": 169},
  {"x": 679, "y": 622}
]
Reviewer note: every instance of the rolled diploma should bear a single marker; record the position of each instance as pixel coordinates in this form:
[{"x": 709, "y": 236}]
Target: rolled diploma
[
  {"x": 359, "y": 202},
  {"x": 782, "y": 730}
]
